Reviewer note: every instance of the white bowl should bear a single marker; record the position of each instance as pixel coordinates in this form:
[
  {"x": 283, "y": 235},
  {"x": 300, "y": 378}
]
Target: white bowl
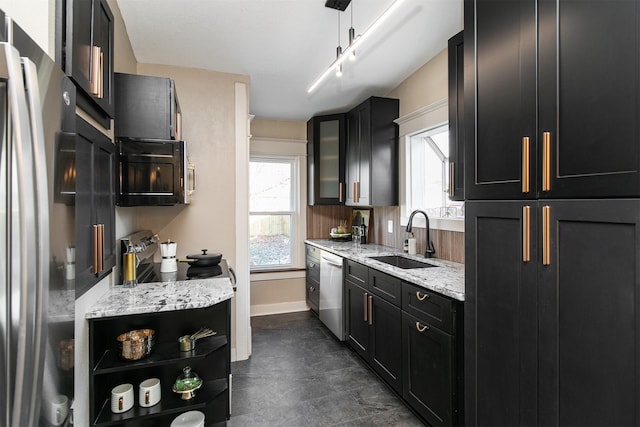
[{"x": 189, "y": 419}]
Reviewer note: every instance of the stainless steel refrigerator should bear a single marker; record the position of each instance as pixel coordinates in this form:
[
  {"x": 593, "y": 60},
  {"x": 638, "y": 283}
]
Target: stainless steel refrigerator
[{"x": 37, "y": 115}]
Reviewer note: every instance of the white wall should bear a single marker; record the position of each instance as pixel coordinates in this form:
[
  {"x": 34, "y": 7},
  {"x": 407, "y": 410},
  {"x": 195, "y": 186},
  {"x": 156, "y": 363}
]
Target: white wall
[{"x": 36, "y": 17}]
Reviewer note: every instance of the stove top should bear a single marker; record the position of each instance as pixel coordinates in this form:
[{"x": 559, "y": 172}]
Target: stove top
[
  {"x": 145, "y": 244},
  {"x": 185, "y": 272}
]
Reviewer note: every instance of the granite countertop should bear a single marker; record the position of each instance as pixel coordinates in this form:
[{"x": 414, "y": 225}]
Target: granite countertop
[
  {"x": 161, "y": 296},
  {"x": 447, "y": 278},
  {"x": 62, "y": 305}
]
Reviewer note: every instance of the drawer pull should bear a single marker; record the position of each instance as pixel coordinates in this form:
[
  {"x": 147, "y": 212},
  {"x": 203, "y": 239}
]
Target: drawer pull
[
  {"x": 421, "y": 297},
  {"x": 421, "y": 328},
  {"x": 364, "y": 305},
  {"x": 370, "y": 310}
]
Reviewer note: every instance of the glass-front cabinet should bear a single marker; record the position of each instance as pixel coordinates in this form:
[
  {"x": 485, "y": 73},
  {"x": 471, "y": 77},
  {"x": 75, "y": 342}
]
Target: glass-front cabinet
[{"x": 326, "y": 136}]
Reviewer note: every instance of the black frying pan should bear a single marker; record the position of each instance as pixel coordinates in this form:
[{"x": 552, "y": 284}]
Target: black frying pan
[{"x": 204, "y": 259}]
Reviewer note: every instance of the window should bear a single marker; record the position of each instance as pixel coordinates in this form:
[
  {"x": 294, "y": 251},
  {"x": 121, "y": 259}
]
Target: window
[
  {"x": 427, "y": 174},
  {"x": 272, "y": 212}
]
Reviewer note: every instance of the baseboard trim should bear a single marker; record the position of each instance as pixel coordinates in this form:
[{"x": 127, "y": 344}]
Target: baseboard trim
[{"x": 283, "y": 307}]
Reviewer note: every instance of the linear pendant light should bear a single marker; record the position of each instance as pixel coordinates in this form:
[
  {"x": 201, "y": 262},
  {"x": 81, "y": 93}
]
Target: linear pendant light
[{"x": 356, "y": 42}]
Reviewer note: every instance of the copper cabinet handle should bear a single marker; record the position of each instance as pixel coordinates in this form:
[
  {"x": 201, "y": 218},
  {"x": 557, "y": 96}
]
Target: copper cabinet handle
[
  {"x": 546, "y": 161},
  {"x": 421, "y": 297},
  {"x": 340, "y": 195},
  {"x": 370, "y": 310},
  {"x": 420, "y": 328},
  {"x": 96, "y": 241},
  {"x": 95, "y": 71},
  {"x": 526, "y": 233},
  {"x": 364, "y": 305},
  {"x": 526, "y": 149},
  {"x": 178, "y": 132},
  {"x": 191, "y": 168},
  {"x": 101, "y": 80},
  {"x": 452, "y": 179},
  {"x": 100, "y": 247},
  {"x": 546, "y": 235}
]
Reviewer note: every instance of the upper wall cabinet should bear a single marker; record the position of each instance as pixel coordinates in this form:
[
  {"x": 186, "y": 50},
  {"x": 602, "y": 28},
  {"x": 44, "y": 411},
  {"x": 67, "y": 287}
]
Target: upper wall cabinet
[
  {"x": 456, "y": 116},
  {"x": 326, "y": 140},
  {"x": 572, "y": 131},
  {"x": 146, "y": 108},
  {"x": 372, "y": 153},
  {"x": 87, "y": 55}
]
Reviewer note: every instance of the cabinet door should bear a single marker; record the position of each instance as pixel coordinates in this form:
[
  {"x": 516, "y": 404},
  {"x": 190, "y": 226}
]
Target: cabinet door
[
  {"x": 104, "y": 169},
  {"x": 95, "y": 204},
  {"x": 356, "y": 302},
  {"x": 359, "y": 156},
  {"x": 84, "y": 220},
  {"x": 500, "y": 314},
  {"x": 326, "y": 150},
  {"x": 500, "y": 98},
  {"x": 589, "y": 97},
  {"x": 456, "y": 117},
  {"x": 589, "y": 319},
  {"x": 103, "y": 39},
  {"x": 78, "y": 38},
  {"x": 385, "y": 351},
  {"x": 428, "y": 376}
]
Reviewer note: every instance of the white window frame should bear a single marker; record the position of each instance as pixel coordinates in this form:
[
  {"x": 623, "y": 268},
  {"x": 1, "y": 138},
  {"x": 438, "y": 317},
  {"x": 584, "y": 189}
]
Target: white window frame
[
  {"x": 428, "y": 117},
  {"x": 295, "y": 213}
]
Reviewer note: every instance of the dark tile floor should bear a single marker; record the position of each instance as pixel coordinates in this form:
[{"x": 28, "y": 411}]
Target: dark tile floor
[{"x": 300, "y": 375}]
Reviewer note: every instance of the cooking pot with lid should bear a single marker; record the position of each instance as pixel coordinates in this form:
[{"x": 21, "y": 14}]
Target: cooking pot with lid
[{"x": 204, "y": 259}]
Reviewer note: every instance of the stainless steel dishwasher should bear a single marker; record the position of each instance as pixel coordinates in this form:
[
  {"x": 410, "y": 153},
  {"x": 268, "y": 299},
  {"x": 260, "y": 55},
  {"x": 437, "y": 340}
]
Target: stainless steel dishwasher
[{"x": 330, "y": 307}]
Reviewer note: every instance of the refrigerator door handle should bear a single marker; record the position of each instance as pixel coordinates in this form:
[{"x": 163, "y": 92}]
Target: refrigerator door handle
[
  {"x": 42, "y": 227},
  {"x": 22, "y": 243}
]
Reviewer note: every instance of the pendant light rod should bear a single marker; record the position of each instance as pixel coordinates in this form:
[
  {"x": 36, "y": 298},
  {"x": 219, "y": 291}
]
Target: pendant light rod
[{"x": 356, "y": 42}]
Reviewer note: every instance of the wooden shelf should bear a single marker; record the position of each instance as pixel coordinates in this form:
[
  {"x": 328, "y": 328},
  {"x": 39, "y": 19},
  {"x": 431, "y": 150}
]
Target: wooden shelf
[
  {"x": 164, "y": 354},
  {"x": 171, "y": 403}
]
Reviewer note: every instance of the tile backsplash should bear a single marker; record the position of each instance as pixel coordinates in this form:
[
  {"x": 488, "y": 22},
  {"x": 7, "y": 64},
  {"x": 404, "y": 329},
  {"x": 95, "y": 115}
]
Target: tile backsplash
[{"x": 449, "y": 245}]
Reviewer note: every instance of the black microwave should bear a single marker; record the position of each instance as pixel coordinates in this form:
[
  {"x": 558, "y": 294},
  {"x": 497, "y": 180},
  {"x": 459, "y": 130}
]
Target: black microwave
[{"x": 153, "y": 173}]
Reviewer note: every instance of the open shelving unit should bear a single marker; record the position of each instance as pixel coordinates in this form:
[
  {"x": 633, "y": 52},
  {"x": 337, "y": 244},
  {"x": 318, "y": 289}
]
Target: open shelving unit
[{"x": 211, "y": 360}]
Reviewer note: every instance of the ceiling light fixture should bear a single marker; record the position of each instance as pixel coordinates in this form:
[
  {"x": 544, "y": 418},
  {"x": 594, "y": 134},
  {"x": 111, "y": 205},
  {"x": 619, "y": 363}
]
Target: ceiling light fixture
[
  {"x": 338, "y": 51},
  {"x": 356, "y": 42},
  {"x": 352, "y": 35}
]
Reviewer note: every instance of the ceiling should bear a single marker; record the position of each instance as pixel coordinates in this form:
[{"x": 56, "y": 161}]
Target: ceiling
[{"x": 284, "y": 45}]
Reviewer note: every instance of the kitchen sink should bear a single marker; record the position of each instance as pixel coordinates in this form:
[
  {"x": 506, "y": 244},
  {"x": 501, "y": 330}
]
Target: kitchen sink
[{"x": 402, "y": 262}]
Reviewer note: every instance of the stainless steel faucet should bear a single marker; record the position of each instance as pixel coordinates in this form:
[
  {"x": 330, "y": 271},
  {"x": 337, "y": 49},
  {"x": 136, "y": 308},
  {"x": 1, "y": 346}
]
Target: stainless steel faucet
[{"x": 429, "y": 251}]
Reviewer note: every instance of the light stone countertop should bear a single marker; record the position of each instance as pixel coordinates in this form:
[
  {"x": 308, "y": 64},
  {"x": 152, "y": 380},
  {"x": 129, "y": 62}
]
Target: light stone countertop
[
  {"x": 447, "y": 278},
  {"x": 161, "y": 296}
]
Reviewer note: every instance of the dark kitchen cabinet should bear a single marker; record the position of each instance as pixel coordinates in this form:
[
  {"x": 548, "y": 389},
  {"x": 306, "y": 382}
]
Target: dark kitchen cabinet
[
  {"x": 94, "y": 206},
  {"x": 428, "y": 378},
  {"x": 374, "y": 332},
  {"x": 456, "y": 116},
  {"x": 372, "y": 153},
  {"x": 146, "y": 107},
  {"x": 87, "y": 55},
  {"x": 312, "y": 283},
  {"x": 570, "y": 131},
  {"x": 326, "y": 140},
  {"x": 211, "y": 360},
  {"x": 500, "y": 313},
  {"x": 433, "y": 350},
  {"x": 551, "y": 312},
  {"x": 588, "y": 289}
]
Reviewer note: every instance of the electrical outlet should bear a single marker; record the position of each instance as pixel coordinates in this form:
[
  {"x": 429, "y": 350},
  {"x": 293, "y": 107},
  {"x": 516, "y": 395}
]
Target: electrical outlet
[{"x": 390, "y": 226}]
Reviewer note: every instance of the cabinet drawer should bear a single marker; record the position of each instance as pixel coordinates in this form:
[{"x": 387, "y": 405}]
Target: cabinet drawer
[
  {"x": 313, "y": 252},
  {"x": 357, "y": 273},
  {"x": 313, "y": 295},
  {"x": 313, "y": 269},
  {"x": 385, "y": 286},
  {"x": 428, "y": 306}
]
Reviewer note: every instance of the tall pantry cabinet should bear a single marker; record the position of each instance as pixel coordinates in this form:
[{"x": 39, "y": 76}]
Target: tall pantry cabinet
[{"x": 552, "y": 310}]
